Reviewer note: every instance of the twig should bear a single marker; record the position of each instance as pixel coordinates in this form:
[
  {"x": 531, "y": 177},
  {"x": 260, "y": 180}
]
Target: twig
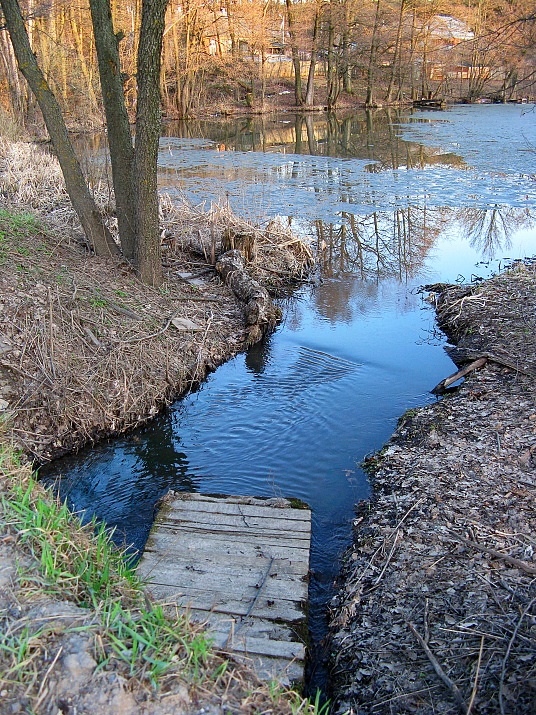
[
  {"x": 257, "y": 596},
  {"x": 438, "y": 669},
  {"x": 42, "y": 692},
  {"x": 386, "y": 564},
  {"x": 523, "y": 565},
  {"x": 147, "y": 337},
  {"x": 475, "y": 684},
  {"x": 91, "y": 336},
  {"x": 507, "y": 654}
]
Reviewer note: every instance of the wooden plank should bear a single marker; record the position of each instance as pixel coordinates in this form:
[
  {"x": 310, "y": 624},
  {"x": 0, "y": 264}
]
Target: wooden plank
[
  {"x": 239, "y": 586},
  {"x": 268, "y": 522},
  {"x": 240, "y": 566},
  {"x": 232, "y": 505},
  {"x": 176, "y": 536},
  {"x": 282, "y": 610},
  {"x": 204, "y": 561}
]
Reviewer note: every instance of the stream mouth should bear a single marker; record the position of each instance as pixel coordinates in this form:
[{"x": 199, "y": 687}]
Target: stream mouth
[{"x": 296, "y": 414}]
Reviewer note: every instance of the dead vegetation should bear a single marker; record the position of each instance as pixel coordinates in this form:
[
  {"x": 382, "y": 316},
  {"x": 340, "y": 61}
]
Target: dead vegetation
[
  {"x": 86, "y": 350},
  {"x": 436, "y": 611}
]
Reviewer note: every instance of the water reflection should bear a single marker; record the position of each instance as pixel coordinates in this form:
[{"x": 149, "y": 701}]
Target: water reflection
[
  {"x": 141, "y": 469},
  {"x": 373, "y": 136},
  {"x": 318, "y": 166},
  {"x": 382, "y": 245},
  {"x": 490, "y": 230}
]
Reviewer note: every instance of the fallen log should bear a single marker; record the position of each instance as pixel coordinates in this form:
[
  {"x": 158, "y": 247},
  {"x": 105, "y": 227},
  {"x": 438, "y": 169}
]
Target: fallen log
[
  {"x": 260, "y": 313},
  {"x": 440, "y": 388}
]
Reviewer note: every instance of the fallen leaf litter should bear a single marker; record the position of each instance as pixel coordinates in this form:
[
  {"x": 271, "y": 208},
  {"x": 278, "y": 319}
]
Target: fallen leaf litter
[{"x": 436, "y": 611}]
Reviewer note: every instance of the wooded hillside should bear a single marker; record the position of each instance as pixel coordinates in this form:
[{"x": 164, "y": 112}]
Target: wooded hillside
[{"x": 231, "y": 53}]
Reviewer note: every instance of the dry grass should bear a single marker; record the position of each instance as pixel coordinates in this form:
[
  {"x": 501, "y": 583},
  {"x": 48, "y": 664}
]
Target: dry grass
[
  {"x": 86, "y": 350},
  {"x": 89, "y": 350}
]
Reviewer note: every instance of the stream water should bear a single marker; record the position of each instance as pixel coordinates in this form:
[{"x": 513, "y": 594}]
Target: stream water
[{"x": 393, "y": 201}]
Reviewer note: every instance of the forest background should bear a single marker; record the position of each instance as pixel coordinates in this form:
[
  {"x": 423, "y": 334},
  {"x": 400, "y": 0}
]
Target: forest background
[{"x": 223, "y": 56}]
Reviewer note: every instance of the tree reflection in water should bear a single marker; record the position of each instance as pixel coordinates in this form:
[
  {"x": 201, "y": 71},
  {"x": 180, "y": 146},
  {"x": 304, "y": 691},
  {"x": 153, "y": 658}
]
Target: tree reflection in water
[
  {"x": 383, "y": 245},
  {"x": 490, "y": 230}
]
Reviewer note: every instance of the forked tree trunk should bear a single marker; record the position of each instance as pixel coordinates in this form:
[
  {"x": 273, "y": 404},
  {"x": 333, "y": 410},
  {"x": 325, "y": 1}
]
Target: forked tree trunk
[
  {"x": 119, "y": 136},
  {"x": 96, "y": 232}
]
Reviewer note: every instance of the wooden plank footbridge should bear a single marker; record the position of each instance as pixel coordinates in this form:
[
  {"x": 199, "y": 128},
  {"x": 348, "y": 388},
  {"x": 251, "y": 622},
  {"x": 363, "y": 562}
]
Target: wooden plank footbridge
[{"x": 240, "y": 565}]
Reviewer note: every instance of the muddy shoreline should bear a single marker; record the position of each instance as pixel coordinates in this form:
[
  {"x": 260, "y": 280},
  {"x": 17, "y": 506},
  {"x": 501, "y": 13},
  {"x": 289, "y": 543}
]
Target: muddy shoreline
[{"x": 435, "y": 611}]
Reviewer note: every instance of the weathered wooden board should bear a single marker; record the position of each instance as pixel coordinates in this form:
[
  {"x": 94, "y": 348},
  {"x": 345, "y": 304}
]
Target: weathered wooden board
[{"x": 240, "y": 565}]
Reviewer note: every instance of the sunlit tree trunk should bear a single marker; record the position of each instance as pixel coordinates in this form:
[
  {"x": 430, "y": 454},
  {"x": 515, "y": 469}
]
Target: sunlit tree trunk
[
  {"x": 119, "y": 136},
  {"x": 332, "y": 78},
  {"x": 369, "y": 101},
  {"x": 298, "y": 91},
  {"x": 395, "y": 67},
  {"x": 77, "y": 33},
  {"x": 17, "y": 89},
  {"x": 309, "y": 95},
  {"x": 83, "y": 203}
]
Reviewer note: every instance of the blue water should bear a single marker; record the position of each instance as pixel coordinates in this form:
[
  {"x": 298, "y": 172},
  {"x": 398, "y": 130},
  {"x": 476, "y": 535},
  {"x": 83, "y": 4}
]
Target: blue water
[{"x": 423, "y": 198}]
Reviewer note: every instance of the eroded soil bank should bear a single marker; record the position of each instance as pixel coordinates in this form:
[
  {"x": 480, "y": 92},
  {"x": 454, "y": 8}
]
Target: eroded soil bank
[{"x": 436, "y": 609}]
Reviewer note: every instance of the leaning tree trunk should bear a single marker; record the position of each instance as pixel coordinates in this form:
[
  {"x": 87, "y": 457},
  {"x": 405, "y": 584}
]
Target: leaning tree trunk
[
  {"x": 119, "y": 136},
  {"x": 148, "y": 259},
  {"x": 96, "y": 232}
]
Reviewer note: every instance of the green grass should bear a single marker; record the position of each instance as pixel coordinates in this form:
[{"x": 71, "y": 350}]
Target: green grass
[
  {"x": 20, "y": 223},
  {"x": 80, "y": 564},
  {"x": 83, "y": 563}
]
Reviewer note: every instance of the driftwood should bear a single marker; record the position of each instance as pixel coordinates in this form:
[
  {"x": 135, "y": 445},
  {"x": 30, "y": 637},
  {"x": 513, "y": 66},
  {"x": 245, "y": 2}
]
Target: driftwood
[
  {"x": 518, "y": 563},
  {"x": 440, "y": 388},
  {"x": 460, "y": 355},
  {"x": 260, "y": 313}
]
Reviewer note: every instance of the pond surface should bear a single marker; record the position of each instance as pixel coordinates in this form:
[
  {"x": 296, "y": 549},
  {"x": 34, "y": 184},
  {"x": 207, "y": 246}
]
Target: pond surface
[{"x": 392, "y": 201}]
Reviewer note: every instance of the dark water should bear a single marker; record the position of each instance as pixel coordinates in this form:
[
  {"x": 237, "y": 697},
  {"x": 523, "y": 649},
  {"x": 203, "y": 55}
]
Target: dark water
[{"x": 392, "y": 201}]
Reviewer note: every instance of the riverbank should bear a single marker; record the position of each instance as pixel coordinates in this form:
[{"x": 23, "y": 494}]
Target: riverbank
[
  {"x": 87, "y": 351},
  {"x": 436, "y": 607}
]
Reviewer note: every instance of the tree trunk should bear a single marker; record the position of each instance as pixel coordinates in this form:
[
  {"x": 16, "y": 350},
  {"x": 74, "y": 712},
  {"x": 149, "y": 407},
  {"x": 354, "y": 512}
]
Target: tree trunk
[
  {"x": 396, "y": 55},
  {"x": 119, "y": 136},
  {"x": 309, "y": 95},
  {"x": 148, "y": 258},
  {"x": 96, "y": 232},
  {"x": 298, "y": 91},
  {"x": 369, "y": 101}
]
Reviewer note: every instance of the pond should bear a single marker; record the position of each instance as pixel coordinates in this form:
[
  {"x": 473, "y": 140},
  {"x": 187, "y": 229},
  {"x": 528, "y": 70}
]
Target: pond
[{"x": 391, "y": 200}]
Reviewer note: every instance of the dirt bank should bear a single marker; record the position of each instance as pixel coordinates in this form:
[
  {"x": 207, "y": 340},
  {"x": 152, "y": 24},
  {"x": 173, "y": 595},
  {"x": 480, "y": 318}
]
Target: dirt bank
[
  {"x": 436, "y": 609},
  {"x": 86, "y": 350}
]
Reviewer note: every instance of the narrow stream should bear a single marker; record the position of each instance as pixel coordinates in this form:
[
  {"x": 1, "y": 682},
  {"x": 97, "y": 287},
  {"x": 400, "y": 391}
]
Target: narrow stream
[{"x": 394, "y": 201}]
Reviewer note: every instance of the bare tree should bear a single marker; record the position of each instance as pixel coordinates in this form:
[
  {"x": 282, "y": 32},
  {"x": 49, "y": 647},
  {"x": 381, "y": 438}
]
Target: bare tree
[
  {"x": 83, "y": 203},
  {"x": 134, "y": 168}
]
